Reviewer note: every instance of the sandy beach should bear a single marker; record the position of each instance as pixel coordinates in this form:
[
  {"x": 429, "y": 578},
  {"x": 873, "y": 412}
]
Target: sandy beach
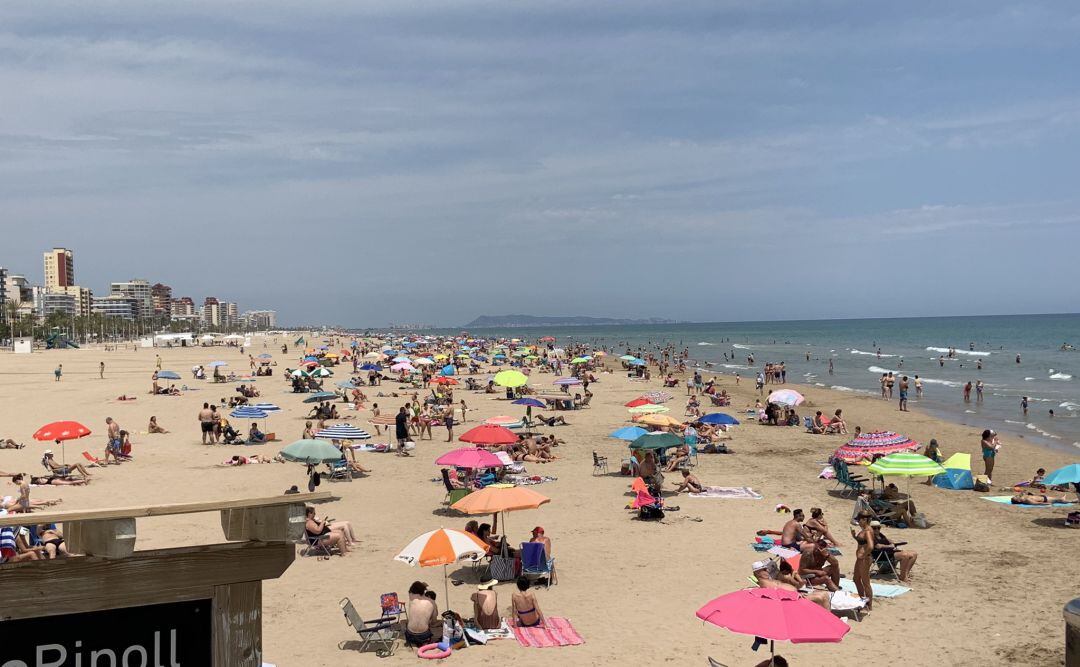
[{"x": 988, "y": 587}]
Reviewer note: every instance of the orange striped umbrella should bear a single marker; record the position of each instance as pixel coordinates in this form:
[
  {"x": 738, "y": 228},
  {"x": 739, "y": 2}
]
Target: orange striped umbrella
[{"x": 444, "y": 546}]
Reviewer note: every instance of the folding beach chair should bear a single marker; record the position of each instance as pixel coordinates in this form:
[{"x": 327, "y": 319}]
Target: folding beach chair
[
  {"x": 599, "y": 464},
  {"x": 93, "y": 461},
  {"x": 452, "y": 495},
  {"x": 380, "y": 635},
  {"x": 391, "y": 606},
  {"x": 535, "y": 563},
  {"x": 317, "y": 545},
  {"x": 885, "y": 560},
  {"x": 340, "y": 470}
]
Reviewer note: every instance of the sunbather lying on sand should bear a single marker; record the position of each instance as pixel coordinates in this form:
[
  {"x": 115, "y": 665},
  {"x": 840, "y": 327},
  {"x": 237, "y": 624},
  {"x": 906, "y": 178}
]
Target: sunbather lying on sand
[
  {"x": 1028, "y": 498},
  {"x": 765, "y": 580},
  {"x": 553, "y": 420},
  {"x": 8, "y": 443}
]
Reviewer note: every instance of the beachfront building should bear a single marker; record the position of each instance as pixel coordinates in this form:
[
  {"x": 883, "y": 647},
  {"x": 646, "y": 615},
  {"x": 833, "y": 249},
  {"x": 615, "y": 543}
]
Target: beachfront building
[
  {"x": 51, "y": 302},
  {"x": 3, "y": 293},
  {"x": 259, "y": 320},
  {"x": 20, "y": 291},
  {"x": 59, "y": 268},
  {"x": 117, "y": 306},
  {"x": 139, "y": 290},
  {"x": 183, "y": 308},
  {"x": 84, "y": 298},
  {"x": 211, "y": 312},
  {"x": 161, "y": 298}
]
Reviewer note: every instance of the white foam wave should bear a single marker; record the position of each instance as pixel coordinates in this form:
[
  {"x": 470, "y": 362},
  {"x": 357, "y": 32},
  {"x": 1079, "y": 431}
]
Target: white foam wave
[
  {"x": 947, "y": 383},
  {"x": 873, "y": 354},
  {"x": 1060, "y": 376},
  {"x": 704, "y": 343},
  {"x": 840, "y": 387},
  {"x": 970, "y": 353},
  {"x": 1045, "y": 434},
  {"x": 740, "y": 347},
  {"x": 738, "y": 366},
  {"x": 1010, "y": 421},
  {"x": 818, "y": 384},
  {"x": 1069, "y": 405},
  {"x": 1028, "y": 379},
  {"x": 879, "y": 369}
]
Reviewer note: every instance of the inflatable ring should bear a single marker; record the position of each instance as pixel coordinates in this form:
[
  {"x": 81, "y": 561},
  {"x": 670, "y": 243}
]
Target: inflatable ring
[{"x": 432, "y": 652}]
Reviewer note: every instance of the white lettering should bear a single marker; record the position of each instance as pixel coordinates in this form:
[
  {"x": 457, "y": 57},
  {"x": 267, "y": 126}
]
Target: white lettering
[
  {"x": 157, "y": 649},
  {"x": 94, "y": 655},
  {"x": 14, "y": 663},
  {"x": 60, "y": 650},
  {"x": 172, "y": 648},
  {"x": 78, "y": 653},
  {"x": 134, "y": 649}
]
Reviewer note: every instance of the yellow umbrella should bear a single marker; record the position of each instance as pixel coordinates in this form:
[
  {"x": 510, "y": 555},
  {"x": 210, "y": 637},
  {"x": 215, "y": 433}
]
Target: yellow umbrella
[
  {"x": 510, "y": 379},
  {"x": 659, "y": 420}
]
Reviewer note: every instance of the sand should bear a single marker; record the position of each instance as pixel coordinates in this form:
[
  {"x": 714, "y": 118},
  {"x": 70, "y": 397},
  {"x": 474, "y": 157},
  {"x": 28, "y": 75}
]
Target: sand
[{"x": 988, "y": 588}]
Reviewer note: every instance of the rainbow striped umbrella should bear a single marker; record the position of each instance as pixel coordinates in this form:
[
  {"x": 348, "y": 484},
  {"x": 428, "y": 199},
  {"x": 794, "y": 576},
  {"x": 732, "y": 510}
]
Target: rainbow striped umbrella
[{"x": 868, "y": 445}]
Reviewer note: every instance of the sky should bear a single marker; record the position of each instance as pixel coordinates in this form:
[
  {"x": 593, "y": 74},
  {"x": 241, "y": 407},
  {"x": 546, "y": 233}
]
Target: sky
[{"x": 409, "y": 161}]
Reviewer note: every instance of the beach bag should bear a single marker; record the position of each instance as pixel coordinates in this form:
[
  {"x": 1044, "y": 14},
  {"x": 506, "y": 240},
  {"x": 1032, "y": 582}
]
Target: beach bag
[
  {"x": 982, "y": 483},
  {"x": 1073, "y": 520},
  {"x": 650, "y": 513},
  {"x": 919, "y": 519},
  {"x": 503, "y": 567}
]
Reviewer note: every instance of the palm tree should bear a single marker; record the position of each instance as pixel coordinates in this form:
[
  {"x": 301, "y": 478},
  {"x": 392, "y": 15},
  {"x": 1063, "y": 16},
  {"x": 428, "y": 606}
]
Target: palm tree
[{"x": 11, "y": 311}]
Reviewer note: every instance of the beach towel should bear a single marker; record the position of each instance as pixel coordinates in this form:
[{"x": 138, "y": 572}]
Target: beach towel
[
  {"x": 844, "y": 601},
  {"x": 728, "y": 493},
  {"x": 1007, "y": 500},
  {"x": 529, "y": 480},
  {"x": 880, "y": 590},
  {"x": 555, "y": 631}
]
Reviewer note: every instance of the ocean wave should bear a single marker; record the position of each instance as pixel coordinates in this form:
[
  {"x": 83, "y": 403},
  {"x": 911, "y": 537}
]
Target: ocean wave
[
  {"x": 1010, "y": 421},
  {"x": 873, "y": 354},
  {"x": 879, "y": 369},
  {"x": 840, "y": 387},
  {"x": 704, "y": 343},
  {"x": 818, "y": 384},
  {"x": 1069, "y": 405},
  {"x": 1045, "y": 434},
  {"x": 946, "y": 383},
  {"x": 736, "y": 366},
  {"x": 1060, "y": 376},
  {"x": 1029, "y": 379},
  {"x": 970, "y": 353},
  {"x": 740, "y": 347}
]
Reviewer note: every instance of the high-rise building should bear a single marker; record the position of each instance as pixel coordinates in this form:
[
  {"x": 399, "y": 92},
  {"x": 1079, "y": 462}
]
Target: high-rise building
[
  {"x": 117, "y": 305},
  {"x": 211, "y": 312},
  {"x": 59, "y": 268},
  {"x": 51, "y": 302},
  {"x": 84, "y": 298},
  {"x": 230, "y": 314},
  {"x": 161, "y": 296},
  {"x": 259, "y": 319},
  {"x": 20, "y": 291},
  {"x": 139, "y": 290},
  {"x": 182, "y": 307}
]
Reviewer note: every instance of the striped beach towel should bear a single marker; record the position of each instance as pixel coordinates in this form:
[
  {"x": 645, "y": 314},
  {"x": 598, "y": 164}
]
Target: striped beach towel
[
  {"x": 555, "y": 631},
  {"x": 8, "y": 548}
]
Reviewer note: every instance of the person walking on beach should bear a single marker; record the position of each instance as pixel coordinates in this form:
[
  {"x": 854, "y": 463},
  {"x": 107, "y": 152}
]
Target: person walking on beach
[
  {"x": 206, "y": 423},
  {"x": 1024, "y": 405},
  {"x": 918, "y": 387},
  {"x": 903, "y": 393},
  {"x": 401, "y": 430},
  {"x": 157, "y": 361},
  {"x": 101, "y": 370},
  {"x": 990, "y": 447},
  {"x": 58, "y": 372}
]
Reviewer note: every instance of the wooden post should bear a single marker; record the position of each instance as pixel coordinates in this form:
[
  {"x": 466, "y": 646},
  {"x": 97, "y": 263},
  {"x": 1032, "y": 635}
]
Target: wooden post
[
  {"x": 108, "y": 538},
  {"x": 281, "y": 523},
  {"x": 238, "y": 624}
]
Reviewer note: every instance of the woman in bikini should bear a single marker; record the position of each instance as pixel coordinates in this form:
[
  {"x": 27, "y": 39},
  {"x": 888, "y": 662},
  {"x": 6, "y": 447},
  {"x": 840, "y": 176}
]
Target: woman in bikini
[
  {"x": 863, "y": 558},
  {"x": 526, "y": 607}
]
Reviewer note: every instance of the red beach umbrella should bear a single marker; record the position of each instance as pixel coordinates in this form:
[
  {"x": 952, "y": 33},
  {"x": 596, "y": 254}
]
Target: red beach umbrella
[
  {"x": 489, "y": 434},
  {"x": 60, "y": 432},
  {"x": 868, "y": 445},
  {"x": 640, "y": 400}
]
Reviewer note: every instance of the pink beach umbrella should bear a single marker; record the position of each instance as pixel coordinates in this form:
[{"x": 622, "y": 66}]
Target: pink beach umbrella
[
  {"x": 469, "y": 457},
  {"x": 773, "y": 614},
  {"x": 878, "y": 443},
  {"x": 502, "y": 420}
]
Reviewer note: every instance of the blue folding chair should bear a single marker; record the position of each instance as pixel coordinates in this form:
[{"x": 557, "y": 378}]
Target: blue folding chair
[{"x": 536, "y": 564}]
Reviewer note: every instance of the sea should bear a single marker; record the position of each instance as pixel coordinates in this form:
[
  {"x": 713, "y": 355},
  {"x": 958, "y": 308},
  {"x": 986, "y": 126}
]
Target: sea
[{"x": 1047, "y": 373}]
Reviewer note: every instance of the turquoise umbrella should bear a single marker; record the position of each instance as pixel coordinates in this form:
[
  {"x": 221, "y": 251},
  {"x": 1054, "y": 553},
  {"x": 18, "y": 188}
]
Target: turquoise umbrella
[
  {"x": 661, "y": 440},
  {"x": 311, "y": 452},
  {"x": 1070, "y": 474}
]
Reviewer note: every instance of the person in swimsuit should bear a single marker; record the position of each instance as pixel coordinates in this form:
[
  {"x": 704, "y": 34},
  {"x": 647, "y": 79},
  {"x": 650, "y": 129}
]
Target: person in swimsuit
[
  {"x": 422, "y": 613},
  {"x": 52, "y": 542},
  {"x": 526, "y": 607},
  {"x": 690, "y": 483},
  {"x": 864, "y": 537},
  {"x": 332, "y": 535},
  {"x": 486, "y": 606},
  {"x": 990, "y": 446},
  {"x": 1029, "y": 498}
]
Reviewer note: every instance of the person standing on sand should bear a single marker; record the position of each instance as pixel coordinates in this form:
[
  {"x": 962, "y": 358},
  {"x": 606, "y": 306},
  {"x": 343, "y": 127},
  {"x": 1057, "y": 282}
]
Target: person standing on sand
[
  {"x": 59, "y": 371},
  {"x": 157, "y": 361},
  {"x": 101, "y": 370},
  {"x": 401, "y": 430},
  {"x": 903, "y": 393},
  {"x": 206, "y": 423},
  {"x": 990, "y": 447}
]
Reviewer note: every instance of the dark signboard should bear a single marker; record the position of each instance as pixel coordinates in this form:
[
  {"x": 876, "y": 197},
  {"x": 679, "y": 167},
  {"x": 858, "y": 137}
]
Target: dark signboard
[{"x": 160, "y": 635}]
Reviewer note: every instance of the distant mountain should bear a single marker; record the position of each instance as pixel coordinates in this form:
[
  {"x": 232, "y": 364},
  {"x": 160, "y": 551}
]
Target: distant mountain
[{"x": 496, "y": 321}]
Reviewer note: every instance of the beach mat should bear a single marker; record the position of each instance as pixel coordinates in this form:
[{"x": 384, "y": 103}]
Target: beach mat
[
  {"x": 880, "y": 590},
  {"x": 556, "y": 631},
  {"x": 728, "y": 493},
  {"x": 1007, "y": 500}
]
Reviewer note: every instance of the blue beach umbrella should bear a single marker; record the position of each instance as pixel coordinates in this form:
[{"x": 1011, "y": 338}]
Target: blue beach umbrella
[
  {"x": 248, "y": 412},
  {"x": 636, "y": 362},
  {"x": 448, "y": 369},
  {"x": 320, "y": 396},
  {"x": 531, "y": 402},
  {"x": 168, "y": 375},
  {"x": 371, "y": 367},
  {"x": 266, "y": 407},
  {"x": 343, "y": 432},
  {"x": 628, "y": 433},
  {"x": 1070, "y": 474},
  {"x": 719, "y": 418},
  {"x": 216, "y": 364}
]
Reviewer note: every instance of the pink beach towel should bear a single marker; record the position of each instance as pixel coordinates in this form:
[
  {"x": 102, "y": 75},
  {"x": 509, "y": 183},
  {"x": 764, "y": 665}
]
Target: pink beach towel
[{"x": 555, "y": 631}]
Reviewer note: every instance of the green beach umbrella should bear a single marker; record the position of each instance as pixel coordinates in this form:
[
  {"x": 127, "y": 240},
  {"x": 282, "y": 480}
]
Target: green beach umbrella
[
  {"x": 579, "y": 360},
  {"x": 661, "y": 440},
  {"x": 311, "y": 451},
  {"x": 628, "y": 357},
  {"x": 905, "y": 464},
  {"x": 510, "y": 379}
]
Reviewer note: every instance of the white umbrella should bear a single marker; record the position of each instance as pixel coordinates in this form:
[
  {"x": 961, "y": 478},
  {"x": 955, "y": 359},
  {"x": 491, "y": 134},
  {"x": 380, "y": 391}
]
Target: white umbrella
[{"x": 444, "y": 546}]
